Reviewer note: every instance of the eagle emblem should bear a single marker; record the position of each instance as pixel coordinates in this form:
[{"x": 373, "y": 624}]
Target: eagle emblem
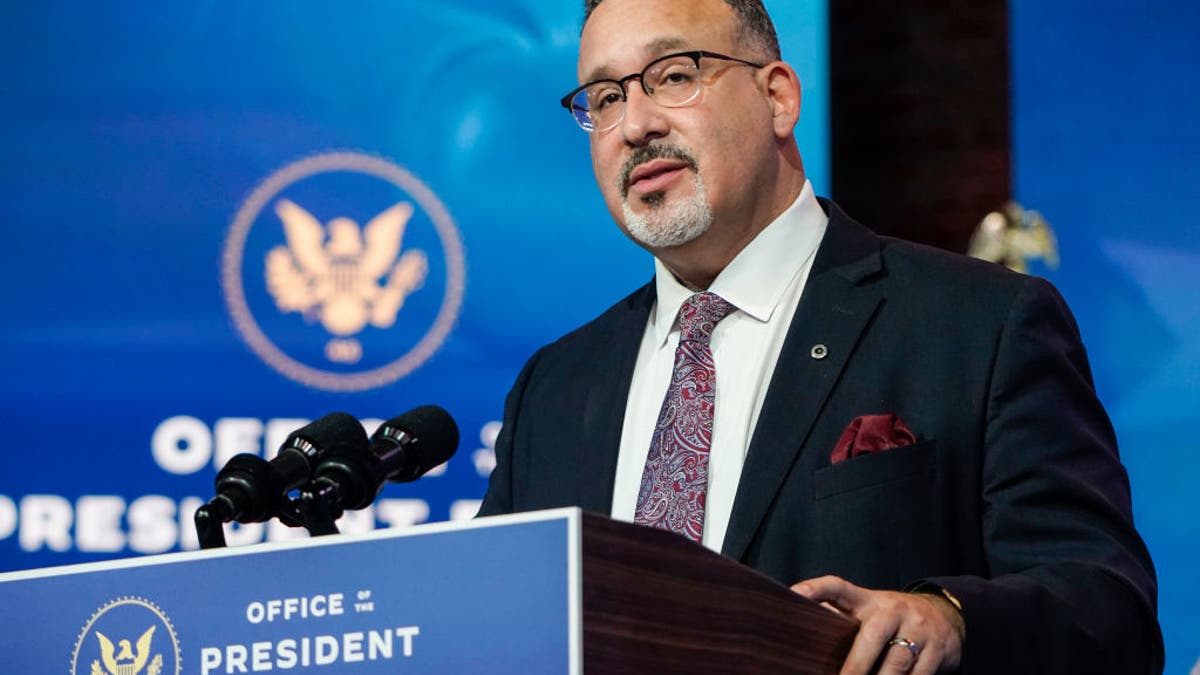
[
  {"x": 120, "y": 659},
  {"x": 346, "y": 279},
  {"x": 1014, "y": 236},
  {"x": 335, "y": 275}
]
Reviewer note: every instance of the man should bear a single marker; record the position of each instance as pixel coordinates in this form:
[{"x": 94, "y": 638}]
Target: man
[{"x": 814, "y": 400}]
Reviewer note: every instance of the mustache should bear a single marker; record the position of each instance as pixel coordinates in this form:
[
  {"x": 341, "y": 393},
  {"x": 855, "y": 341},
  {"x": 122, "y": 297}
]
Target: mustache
[{"x": 651, "y": 152}]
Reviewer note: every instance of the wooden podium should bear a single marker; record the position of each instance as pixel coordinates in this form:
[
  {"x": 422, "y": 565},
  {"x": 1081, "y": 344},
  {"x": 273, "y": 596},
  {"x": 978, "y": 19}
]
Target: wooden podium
[
  {"x": 557, "y": 591},
  {"x": 654, "y": 602}
]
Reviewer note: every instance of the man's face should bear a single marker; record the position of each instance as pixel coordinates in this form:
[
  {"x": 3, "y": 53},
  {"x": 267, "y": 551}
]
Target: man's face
[{"x": 669, "y": 174}]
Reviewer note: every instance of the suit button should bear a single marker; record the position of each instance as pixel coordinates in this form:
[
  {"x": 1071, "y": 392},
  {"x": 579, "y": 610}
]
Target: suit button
[{"x": 819, "y": 352}]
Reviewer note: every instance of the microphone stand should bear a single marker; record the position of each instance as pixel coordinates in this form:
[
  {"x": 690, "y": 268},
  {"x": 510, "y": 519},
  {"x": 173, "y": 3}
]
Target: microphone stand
[
  {"x": 210, "y": 520},
  {"x": 314, "y": 511}
]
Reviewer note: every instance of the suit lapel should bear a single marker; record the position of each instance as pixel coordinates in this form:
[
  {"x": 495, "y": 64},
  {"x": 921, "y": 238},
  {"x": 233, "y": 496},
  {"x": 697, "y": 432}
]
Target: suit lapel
[
  {"x": 834, "y": 310},
  {"x": 610, "y": 376}
]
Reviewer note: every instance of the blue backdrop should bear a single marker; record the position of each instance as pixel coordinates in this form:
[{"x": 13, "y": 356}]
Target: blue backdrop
[
  {"x": 145, "y": 152},
  {"x": 165, "y": 175},
  {"x": 1105, "y": 100}
]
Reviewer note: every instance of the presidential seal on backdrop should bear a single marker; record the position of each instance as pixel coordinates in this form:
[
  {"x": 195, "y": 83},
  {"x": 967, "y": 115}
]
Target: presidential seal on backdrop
[
  {"x": 128, "y": 636},
  {"x": 343, "y": 271}
]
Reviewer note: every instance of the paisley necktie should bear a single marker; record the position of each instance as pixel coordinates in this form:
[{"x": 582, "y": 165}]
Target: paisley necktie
[{"x": 675, "y": 480}]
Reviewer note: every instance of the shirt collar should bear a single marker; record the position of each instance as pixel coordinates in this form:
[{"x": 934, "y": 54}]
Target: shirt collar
[{"x": 756, "y": 280}]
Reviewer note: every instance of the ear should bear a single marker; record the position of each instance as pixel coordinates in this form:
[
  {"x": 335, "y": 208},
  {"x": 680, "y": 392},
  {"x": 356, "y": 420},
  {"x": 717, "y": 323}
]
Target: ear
[{"x": 783, "y": 95}]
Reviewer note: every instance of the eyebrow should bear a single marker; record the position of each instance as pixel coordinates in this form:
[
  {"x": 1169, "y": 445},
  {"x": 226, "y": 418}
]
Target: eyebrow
[{"x": 656, "y": 48}]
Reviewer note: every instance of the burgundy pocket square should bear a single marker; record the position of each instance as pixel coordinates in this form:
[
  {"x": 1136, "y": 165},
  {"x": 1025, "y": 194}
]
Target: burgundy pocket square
[{"x": 871, "y": 433}]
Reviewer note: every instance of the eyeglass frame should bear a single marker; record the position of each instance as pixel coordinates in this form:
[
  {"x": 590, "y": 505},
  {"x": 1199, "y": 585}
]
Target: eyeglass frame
[{"x": 694, "y": 54}]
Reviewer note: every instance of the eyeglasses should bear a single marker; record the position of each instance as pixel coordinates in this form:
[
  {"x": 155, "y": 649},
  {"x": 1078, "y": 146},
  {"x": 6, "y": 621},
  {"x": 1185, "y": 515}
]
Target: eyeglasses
[{"x": 671, "y": 81}]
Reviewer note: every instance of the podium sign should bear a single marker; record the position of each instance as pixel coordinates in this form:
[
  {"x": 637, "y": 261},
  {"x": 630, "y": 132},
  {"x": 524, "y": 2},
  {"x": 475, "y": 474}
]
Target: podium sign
[{"x": 497, "y": 596}]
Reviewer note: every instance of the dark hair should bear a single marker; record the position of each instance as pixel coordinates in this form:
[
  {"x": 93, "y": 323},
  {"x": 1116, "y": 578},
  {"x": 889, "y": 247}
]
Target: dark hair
[{"x": 756, "y": 28}]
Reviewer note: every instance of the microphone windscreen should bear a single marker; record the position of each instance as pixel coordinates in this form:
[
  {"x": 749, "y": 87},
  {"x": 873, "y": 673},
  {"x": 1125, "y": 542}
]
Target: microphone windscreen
[
  {"x": 332, "y": 429},
  {"x": 435, "y": 431}
]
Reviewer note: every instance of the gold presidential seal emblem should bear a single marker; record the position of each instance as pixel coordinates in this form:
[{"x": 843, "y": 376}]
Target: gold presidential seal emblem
[
  {"x": 343, "y": 271},
  {"x": 127, "y": 636}
]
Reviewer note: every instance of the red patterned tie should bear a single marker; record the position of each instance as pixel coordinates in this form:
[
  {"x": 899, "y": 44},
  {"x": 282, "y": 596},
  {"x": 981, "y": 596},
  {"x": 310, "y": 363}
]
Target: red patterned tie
[{"x": 675, "y": 480}]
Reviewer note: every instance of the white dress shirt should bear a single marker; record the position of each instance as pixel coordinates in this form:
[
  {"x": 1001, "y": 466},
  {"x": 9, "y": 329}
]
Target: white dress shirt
[{"x": 764, "y": 283}]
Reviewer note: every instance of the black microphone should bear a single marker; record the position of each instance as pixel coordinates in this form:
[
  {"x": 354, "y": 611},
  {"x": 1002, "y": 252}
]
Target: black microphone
[
  {"x": 403, "y": 449},
  {"x": 252, "y": 490}
]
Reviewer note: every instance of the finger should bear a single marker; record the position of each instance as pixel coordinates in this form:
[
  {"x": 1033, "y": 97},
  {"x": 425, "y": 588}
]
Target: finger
[
  {"x": 929, "y": 662},
  {"x": 938, "y": 651},
  {"x": 898, "y": 659},
  {"x": 870, "y": 643},
  {"x": 833, "y": 609},
  {"x": 834, "y": 590},
  {"x": 937, "y": 645}
]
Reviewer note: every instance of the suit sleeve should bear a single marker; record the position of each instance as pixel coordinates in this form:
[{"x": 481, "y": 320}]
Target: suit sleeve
[
  {"x": 499, "y": 497},
  {"x": 1071, "y": 588}
]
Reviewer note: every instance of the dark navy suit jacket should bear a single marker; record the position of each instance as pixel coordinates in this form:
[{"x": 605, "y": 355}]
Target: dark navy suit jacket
[{"x": 1013, "y": 497}]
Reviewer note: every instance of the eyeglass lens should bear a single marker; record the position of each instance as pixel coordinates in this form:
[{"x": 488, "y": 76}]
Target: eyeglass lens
[{"x": 671, "y": 82}]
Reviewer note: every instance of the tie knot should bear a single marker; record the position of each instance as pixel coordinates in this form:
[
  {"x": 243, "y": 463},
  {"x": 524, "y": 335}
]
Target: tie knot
[{"x": 700, "y": 314}]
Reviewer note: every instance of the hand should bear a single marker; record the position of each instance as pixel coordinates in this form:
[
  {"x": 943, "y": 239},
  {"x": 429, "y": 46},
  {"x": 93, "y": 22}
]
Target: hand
[{"x": 928, "y": 620}]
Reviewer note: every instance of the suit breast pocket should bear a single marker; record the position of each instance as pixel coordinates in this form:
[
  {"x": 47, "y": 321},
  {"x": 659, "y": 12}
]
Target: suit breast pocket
[
  {"x": 876, "y": 469},
  {"x": 880, "y": 515}
]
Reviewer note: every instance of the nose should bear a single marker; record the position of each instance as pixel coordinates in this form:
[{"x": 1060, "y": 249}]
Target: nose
[{"x": 644, "y": 120}]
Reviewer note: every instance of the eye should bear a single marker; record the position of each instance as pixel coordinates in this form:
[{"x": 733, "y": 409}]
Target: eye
[
  {"x": 604, "y": 98},
  {"x": 675, "y": 76}
]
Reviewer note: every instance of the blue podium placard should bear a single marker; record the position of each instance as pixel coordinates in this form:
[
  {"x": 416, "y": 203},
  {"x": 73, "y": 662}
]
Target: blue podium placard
[{"x": 499, "y": 595}]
